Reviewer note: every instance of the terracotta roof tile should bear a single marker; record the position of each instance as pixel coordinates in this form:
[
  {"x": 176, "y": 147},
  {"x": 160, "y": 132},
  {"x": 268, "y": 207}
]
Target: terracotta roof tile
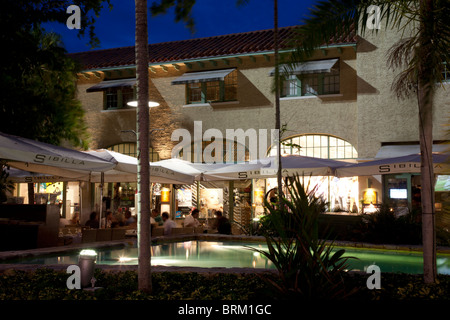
[{"x": 217, "y": 46}]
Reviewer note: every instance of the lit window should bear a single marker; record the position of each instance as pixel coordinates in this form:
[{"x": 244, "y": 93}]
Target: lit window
[
  {"x": 312, "y": 84},
  {"x": 213, "y": 91},
  {"x": 116, "y": 93},
  {"x": 117, "y": 98},
  {"x": 291, "y": 86},
  {"x": 318, "y": 146}
]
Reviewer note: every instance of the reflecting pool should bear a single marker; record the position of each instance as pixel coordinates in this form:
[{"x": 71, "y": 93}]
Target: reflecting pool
[{"x": 208, "y": 254}]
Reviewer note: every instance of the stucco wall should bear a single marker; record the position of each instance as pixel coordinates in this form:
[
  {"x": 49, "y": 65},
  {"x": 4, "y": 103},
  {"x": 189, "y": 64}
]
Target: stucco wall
[
  {"x": 382, "y": 117},
  {"x": 255, "y": 107},
  {"x": 366, "y": 112}
]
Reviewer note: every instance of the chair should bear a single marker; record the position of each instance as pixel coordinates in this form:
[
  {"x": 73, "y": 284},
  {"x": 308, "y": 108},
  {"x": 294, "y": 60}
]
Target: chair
[
  {"x": 104, "y": 235},
  {"x": 118, "y": 234},
  {"x": 176, "y": 231},
  {"x": 188, "y": 230},
  {"x": 89, "y": 235},
  {"x": 198, "y": 230},
  {"x": 157, "y": 232}
]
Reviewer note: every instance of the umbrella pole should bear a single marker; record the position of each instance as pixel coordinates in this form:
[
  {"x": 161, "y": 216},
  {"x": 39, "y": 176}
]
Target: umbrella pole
[
  {"x": 80, "y": 201},
  {"x": 102, "y": 178}
]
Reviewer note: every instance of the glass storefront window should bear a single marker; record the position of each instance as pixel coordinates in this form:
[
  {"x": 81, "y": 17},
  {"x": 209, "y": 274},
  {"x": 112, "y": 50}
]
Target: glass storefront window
[
  {"x": 442, "y": 196},
  {"x": 318, "y": 146},
  {"x": 342, "y": 194},
  {"x": 210, "y": 199}
]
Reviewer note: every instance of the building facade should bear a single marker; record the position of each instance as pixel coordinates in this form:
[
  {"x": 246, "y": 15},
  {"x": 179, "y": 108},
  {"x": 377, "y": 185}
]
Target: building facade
[{"x": 339, "y": 105}]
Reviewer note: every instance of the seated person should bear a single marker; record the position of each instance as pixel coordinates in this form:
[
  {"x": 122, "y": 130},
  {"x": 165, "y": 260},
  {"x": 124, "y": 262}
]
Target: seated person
[
  {"x": 129, "y": 219},
  {"x": 156, "y": 218},
  {"x": 223, "y": 225},
  {"x": 75, "y": 218},
  {"x": 108, "y": 220},
  {"x": 192, "y": 220},
  {"x": 93, "y": 220},
  {"x": 168, "y": 224}
]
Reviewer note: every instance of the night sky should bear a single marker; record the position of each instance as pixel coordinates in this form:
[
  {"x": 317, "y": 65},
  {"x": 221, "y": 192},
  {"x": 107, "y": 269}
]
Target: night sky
[{"x": 115, "y": 28}]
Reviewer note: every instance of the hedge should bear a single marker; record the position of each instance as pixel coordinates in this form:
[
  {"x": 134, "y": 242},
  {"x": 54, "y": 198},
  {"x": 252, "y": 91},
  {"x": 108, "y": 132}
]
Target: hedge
[{"x": 48, "y": 284}]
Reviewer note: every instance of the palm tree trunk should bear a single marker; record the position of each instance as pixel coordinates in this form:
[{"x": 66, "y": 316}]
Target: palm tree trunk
[
  {"x": 427, "y": 189},
  {"x": 277, "y": 99},
  {"x": 144, "y": 268},
  {"x": 425, "y": 102}
]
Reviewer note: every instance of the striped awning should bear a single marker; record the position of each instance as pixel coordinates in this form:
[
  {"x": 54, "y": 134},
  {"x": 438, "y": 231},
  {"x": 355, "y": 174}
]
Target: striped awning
[
  {"x": 203, "y": 76},
  {"x": 112, "y": 84},
  {"x": 316, "y": 66}
]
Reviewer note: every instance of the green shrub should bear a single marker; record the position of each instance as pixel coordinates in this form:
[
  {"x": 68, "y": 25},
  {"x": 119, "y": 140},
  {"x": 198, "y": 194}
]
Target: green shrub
[
  {"x": 402, "y": 287},
  {"x": 46, "y": 284},
  {"x": 307, "y": 267},
  {"x": 383, "y": 226}
]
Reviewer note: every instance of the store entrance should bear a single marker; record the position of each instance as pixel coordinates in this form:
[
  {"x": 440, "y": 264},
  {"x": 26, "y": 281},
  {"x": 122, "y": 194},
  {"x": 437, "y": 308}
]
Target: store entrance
[
  {"x": 118, "y": 195},
  {"x": 402, "y": 191}
]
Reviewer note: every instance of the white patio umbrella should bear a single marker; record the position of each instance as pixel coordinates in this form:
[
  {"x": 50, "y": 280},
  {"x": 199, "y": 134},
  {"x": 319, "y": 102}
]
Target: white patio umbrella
[
  {"x": 267, "y": 168},
  {"x": 406, "y": 164},
  {"x": 121, "y": 168},
  {"x": 20, "y": 176},
  {"x": 126, "y": 170},
  {"x": 308, "y": 166},
  {"x": 237, "y": 171},
  {"x": 173, "y": 169},
  {"x": 196, "y": 170},
  {"x": 35, "y": 156}
]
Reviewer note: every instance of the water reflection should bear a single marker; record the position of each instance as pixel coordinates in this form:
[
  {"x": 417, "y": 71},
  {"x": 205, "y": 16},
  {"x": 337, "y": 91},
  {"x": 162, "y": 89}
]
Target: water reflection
[{"x": 227, "y": 254}]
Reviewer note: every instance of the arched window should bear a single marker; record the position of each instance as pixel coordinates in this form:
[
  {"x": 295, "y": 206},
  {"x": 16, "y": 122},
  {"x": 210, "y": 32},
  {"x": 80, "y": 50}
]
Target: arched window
[
  {"x": 340, "y": 193},
  {"x": 130, "y": 149},
  {"x": 318, "y": 146}
]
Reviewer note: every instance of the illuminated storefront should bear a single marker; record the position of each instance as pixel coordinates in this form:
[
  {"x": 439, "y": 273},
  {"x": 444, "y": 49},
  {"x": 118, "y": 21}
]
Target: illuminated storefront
[
  {"x": 122, "y": 195},
  {"x": 51, "y": 193},
  {"x": 342, "y": 194}
]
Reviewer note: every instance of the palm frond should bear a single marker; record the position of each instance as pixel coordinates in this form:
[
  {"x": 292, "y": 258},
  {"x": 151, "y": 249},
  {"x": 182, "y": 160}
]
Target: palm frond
[
  {"x": 402, "y": 56},
  {"x": 335, "y": 20},
  {"x": 183, "y": 11}
]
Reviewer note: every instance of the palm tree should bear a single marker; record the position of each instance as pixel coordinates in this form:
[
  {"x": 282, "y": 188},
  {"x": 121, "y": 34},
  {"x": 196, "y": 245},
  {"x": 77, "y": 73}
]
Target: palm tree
[
  {"x": 419, "y": 54},
  {"x": 144, "y": 269},
  {"x": 277, "y": 98}
]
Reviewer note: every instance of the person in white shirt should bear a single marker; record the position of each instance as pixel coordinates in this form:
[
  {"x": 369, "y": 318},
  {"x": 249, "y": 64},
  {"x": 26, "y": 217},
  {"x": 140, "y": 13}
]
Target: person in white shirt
[
  {"x": 192, "y": 219},
  {"x": 168, "y": 224},
  {"x": 107, "y": 222}
]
